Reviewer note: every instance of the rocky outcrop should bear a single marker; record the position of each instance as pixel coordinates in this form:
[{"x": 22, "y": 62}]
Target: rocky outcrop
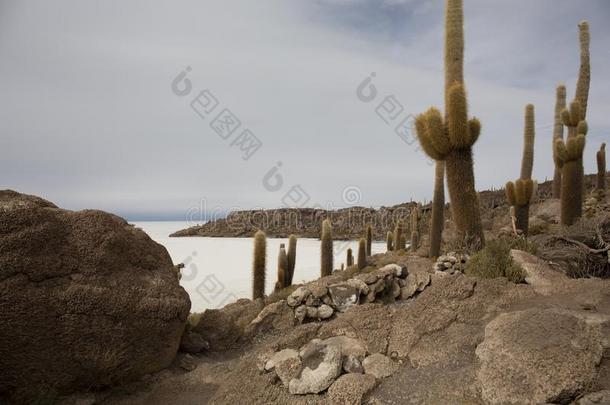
[
  {"x": 86, "y": 300},
  {"x": 537, "y": 356}
]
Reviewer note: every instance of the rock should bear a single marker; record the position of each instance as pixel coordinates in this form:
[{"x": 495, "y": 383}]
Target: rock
[
  {"x": 379, "y": 366},
  {"x": 393, "y": 269},
  {"x": 351, "y": 364},
  {"x": 188, "y": 363},
  {"x": 277, "y": 315},
  {"x": 298, "y": 296},
  {"x": 596, "y": 398},
  {"x": 86, "y": 299},
  {"x": 325, "y": 311},
  {"x": 279, "y": 357},
  {"x": 368, "y": 278},
  {"x": 300, "y": 313},
  {"x": 312, "y": 312},
  {"x": 319, "y": 371},
  {"x": 538, "y": 273},
  {"x": 350, "y": 389},
  {"x": 343, "y": 295},
  {"x": 288, "y": 369},
  {"x": 347, "y": 345},
  {"x": 359, "y": 285},
  {"x": 314, "y": 346},
  {"x": 193, "y": 343},
  {"x": 537, "y": 356}
]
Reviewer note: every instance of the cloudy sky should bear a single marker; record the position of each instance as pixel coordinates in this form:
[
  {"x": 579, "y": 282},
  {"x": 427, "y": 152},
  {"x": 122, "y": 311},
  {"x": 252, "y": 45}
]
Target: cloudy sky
[{"x": 89, "y": 117}]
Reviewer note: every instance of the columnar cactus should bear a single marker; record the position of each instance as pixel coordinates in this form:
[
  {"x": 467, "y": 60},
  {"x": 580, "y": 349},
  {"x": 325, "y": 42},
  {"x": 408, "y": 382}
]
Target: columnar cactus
[
  {"x": 519, "y": 195},
  {"x": 584, "y": 73},
  {"x": 282, "y": 269},
  {"x": 601, "y": 169},
  {"x": 451, "y": 140},
  {"x": 399, "y": 240},
  {"x": 560, "y": 105},
  {"x": 350, "y": 257},
  {"x": 361, "y": 254},
  {"x": 438, "y": 210},
  {"x": 259, "y": 263},
  {"x": 326, "y": 249},
  {"x": 390, "y": 242},
  {"x": 414, "y": 229},
  {"x": 369, "y": 240},
  {"x": 570, "y": 153},
  {"x": 292, "y": 257},
  {"x": 527, "y": 160}
]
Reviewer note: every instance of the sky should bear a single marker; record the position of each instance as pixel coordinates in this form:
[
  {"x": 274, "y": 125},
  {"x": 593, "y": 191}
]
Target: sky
[{"x": 94, "y": 112}]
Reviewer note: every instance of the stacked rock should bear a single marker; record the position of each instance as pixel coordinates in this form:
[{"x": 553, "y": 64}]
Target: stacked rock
[
  {"x": 319, "y": 300},
  {"x": 451, "y": 263}
]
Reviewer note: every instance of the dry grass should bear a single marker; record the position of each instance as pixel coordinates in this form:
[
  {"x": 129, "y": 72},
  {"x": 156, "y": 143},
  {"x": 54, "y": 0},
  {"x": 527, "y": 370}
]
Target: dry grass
[{"x": 495, "y": 261}]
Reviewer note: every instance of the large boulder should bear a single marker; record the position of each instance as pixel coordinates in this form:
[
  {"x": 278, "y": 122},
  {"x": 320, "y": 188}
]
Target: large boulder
[
  {"x": 537, "y": 356},
  {"x": 86, "y": 300}
]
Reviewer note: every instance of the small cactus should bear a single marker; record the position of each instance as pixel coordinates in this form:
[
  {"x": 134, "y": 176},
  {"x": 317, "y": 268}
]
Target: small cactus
[
  {"x": 282, "y": 269},
  {"x": 399, "y": 241},
  {"x": 326, "y": 249},
  {"x": 292, "y": 257},
  {"x": 350, "y": 258},
  {"x": 560, "y": 105},
  {"x": 369, "y": 240},
  {"x": 519, "y": 195},
  {"x": 362, "y": 254},
  {"x": 438, "y": 210},
  {"x": 259, "y": 263},
  {"x": 601, "y": 169},
  {"x": 390, "y": 242}
]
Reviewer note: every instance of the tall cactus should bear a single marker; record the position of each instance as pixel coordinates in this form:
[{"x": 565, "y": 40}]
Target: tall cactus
[
  {"x": 399, "y": 240},
  {"x": 438, "y": 210},
  {"x": 584, "y": 73},
  {"x": 361, "y": 254},
  {"x": 529, "y": 133},
  {"x": 259, "y": 263},
  {"x": 292, "y": 257},
  {"x": 369, "y": 239},
  {"x": 570, "y": 153},
  {"x": 282, "y": 269},
  {"x": 519, "y": 195},
  {"x": 350, "y": 258},
  {"x": 601, "y": 169},
  {"x": 560, "y": 105},
  {"x": 326, "y": 249},
  {"x": 389, "y": 242},
  {"x": 414, "y": 229},
  {"x": 452, "y": 140}
]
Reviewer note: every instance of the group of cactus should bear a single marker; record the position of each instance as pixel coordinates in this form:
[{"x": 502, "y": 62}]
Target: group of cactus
[{"x": 285, "y": 264}]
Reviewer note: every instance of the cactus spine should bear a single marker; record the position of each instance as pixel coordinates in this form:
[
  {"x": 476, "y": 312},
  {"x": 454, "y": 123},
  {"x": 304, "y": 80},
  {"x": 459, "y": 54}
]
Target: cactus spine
[
  {"x": 259, "y": 263},
  {"x": 369, "y": 239},
  {"x": 438, "y": 210},
  {"x": 452, "y": 140},
  {"x": 414, "y": 229},
  {"x": 350, "y": 257},
  {"x": 389, "y": 242},
  {"x": 282, "y": 269},
  {"x": 601, "y": 169},
  {"x": 326, "y": 249},
  {"x": 292, "y": 257},
  {"x": 361, "y": 254},
  {"x": 560, "y": 105}
]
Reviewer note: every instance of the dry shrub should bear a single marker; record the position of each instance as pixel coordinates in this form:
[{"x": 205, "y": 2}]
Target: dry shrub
[{"x": 494, "y": 261}]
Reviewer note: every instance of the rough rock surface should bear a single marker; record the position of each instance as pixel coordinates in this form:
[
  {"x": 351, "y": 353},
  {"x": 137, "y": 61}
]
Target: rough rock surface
[
  {"x": 379, "y": 366},
  {"x": 86, "y": 299},
  {"x": 319, "y": 370},
  {"x": 350, "y": 389},
  {"x": 537, "y": 356}
]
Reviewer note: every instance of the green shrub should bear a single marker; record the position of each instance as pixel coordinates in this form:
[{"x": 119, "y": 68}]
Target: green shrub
[{"x": 495, "y": 261}]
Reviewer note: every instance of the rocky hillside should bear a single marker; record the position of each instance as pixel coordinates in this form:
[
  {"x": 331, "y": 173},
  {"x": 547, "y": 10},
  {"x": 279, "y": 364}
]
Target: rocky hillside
[{"x": 348, "y": 223}]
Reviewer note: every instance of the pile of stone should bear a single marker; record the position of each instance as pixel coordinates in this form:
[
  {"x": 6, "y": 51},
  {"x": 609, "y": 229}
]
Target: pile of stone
[
  {"x": 451, "y": 263},
  {"x": 321, "y": 299},
  {"x": 315, "y": 367}
]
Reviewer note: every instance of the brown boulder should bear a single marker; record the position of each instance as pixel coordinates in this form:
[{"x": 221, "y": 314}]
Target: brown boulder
[{"x": 86, "y": 300}]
